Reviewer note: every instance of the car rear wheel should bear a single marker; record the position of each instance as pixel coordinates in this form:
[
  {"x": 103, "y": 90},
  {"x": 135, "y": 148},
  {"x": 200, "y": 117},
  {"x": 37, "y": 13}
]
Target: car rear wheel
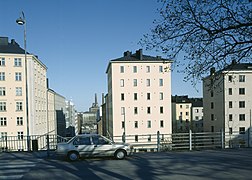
[
  {"x": 120, "y": 154},
  {"x": 73, "y": 156}
]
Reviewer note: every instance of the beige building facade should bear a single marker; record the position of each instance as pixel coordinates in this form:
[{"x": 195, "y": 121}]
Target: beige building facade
[
  {"x": 228, "y": 99},
  {"x": 139, "y": 96},
  {"x": 13, "y": 97}
]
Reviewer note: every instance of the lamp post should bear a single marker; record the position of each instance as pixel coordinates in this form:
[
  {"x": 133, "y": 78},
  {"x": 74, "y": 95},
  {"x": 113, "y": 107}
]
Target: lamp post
[{"x": 21, "y": 21}]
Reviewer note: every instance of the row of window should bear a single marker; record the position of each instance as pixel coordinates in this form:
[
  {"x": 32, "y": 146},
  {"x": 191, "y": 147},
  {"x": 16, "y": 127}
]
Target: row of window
[
  {"x": 241, "y": 130},
  {"x": 3, "y": 121},
  {"x": 242, "y": 117},
  {"x": 18, "y": 76},
  {"x": 19, "y": 106},
  {"x": 20, "y": 134},
  {"x": 148, "y": 96},
  {"x": 134, "y": 69},
  {"x": 230, "y": 91},
  {"x": 148, "y": 82},
  {"x": 136, "y": 124},
  {"x": 230, "y": 104},
  {"x": 148, "y": 110},
  {"x": 241, "y": 78},
  {"x": 17, "y": 62},
  {"x": 18, "y": 91}
]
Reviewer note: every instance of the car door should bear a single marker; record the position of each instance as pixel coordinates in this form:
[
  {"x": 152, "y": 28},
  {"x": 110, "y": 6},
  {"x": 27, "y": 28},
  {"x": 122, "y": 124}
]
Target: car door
[
  {"x": 102, "y": 146},
  {"x": 83, "y": 146}
]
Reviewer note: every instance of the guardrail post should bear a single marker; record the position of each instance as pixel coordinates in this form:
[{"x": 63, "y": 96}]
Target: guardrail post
[
  {"x": 158, "y": 141},
  {"x": 222, "y": 139},
  {"x": 190, "y": 139},
  {"x": 48, "y": 145}
]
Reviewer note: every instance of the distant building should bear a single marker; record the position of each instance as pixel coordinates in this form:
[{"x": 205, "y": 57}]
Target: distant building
[
  {"x": 187, "y": 114},
  {"x": 139, "y": 96},
  {"x": 228, "y": 99},
  {"x": 71, "y": 118}
]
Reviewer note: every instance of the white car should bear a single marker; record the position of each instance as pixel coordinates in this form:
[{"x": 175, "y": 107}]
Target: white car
[{"x": 92, "y": 145}]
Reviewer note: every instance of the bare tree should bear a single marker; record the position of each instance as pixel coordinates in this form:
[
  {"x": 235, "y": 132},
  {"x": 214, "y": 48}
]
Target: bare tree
[{"x": 210, "y": 33}]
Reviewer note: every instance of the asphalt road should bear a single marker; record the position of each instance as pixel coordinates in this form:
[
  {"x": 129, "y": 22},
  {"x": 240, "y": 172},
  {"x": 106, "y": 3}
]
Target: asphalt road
[{"x": 210, "y": 164}]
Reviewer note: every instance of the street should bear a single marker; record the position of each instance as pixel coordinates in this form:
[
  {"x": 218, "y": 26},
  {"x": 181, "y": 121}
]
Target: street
[{"x": 209, "y": 164}]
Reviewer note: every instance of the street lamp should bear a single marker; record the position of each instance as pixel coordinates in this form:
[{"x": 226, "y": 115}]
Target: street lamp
[{"x": 21, "y": 21}]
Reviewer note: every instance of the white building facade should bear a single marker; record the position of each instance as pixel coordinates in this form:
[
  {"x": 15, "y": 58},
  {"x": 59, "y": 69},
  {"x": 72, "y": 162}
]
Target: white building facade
[
  {"x": 139, "y": 96},
  {"x": 13, "y": 93},
  {"x": 228, "y": 99}
]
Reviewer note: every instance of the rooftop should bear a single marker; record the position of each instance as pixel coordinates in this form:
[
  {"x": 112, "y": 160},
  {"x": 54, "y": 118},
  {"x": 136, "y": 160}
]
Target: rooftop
[{"x": 10, "y": 47}]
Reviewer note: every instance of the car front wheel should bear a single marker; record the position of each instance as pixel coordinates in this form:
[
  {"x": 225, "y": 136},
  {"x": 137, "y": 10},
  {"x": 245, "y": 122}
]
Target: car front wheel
[
  {"x": 73, "y": 156},
  {"x": 120, "y": 154}
]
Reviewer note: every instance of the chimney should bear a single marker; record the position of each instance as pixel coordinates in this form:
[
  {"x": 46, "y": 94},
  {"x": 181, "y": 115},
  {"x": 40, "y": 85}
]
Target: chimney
[
  {"x": 126, "y": 53},
  {"x": 212, "y": 71},
  {"x": 3, "y": 40},
  {"x": 139, "y": 54}
]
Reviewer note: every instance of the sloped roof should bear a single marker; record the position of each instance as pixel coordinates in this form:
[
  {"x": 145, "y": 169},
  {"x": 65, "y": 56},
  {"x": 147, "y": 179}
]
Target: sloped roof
[{"x": 11, "y": 48}]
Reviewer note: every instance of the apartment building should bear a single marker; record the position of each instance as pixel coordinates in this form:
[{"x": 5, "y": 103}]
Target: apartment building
[
  {"x": 139, "y": 96},
  {"x": 18, "y": 90},
  {"x": 187, "y": 114},
  {"x": 228, "y": 99}
]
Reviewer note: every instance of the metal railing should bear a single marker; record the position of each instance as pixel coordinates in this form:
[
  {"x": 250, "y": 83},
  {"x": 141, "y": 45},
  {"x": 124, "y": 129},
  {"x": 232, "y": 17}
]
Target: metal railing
[{"x": 150, "y": 142}]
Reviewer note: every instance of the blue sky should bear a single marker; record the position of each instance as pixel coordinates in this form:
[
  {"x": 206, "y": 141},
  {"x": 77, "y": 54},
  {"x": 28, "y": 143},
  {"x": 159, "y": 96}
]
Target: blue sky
[{"x": 76, "y": 39}]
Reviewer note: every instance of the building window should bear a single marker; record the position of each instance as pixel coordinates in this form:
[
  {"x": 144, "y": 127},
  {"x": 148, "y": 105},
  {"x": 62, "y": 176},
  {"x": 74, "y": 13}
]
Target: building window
[
  {"x": 242, "y": 91},
  {"x": 2, "y": 76},
  {"x": 136, "y": 124},
  {"x": 230, "y": 104},
  {"x": 161, "y": 83},
  {"x": 3, "y": 135},
  {"x": 134, "y": 69},
  {"x": 187, "y": 113},
  {"x": 122, "y": 110},
  {"x": 121, "y": 69},
  {"x": 148, "y": 82},
  {"x": 241, "y": 117},
  {"x": 181, "y": 106},
  {"x": 135, "y": 96},
  {"x": 241, "y": 78},
  {"x": 148, "y": 124},
  {"x": 2, "y": 61},
  {"x": 212, "y": 94},
  {"x": 19, "y": 121},
  {"x": 2, "y": 91},
  {"x": 148, "y": 110},
  {"x": 135, "y": 110},
  {"x": 148, "y": 96},
  {"x": 187, "y": 106},
  {"x": 161, "y": 96},
  {"x": 136, "y": 138},
  {"x": 230, "y": 117},
  {"x": 149, "y": 138},
  {"x": 20, "y": 135},
  {"x": 212, "y": 117},
  {"x": 241, "y": 104},
  {"x": 17, "y": 62},
  {"x": 123, "y": 124},
  {"x": 230, "y": 130},
  {"x": 196, "y": 110},
  {"x": 19, "y": 106},
  {"x": 147, "y": 69},
  {"x": 230, "y": 78},
  {"x": 18, "y": 76},
  {"x": 241, "y": 130},
  {"x": 160, "y": 69},
  {"x": 212, "y": 128},
  {"x": 18, "y": 91},
  {"x": 212, "y": 105},
  {"x": 2, "y": 106},
  {"x": 122, "y": 96},
  {"x": 161, "y": 123},
  {"x": 134, "y": 82},
  {"x": 122, "y": 82},
  {"x": 3, "y": 121},
  {"x": 230, "y": 91},
  {"x": 161, "y": 110}
]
